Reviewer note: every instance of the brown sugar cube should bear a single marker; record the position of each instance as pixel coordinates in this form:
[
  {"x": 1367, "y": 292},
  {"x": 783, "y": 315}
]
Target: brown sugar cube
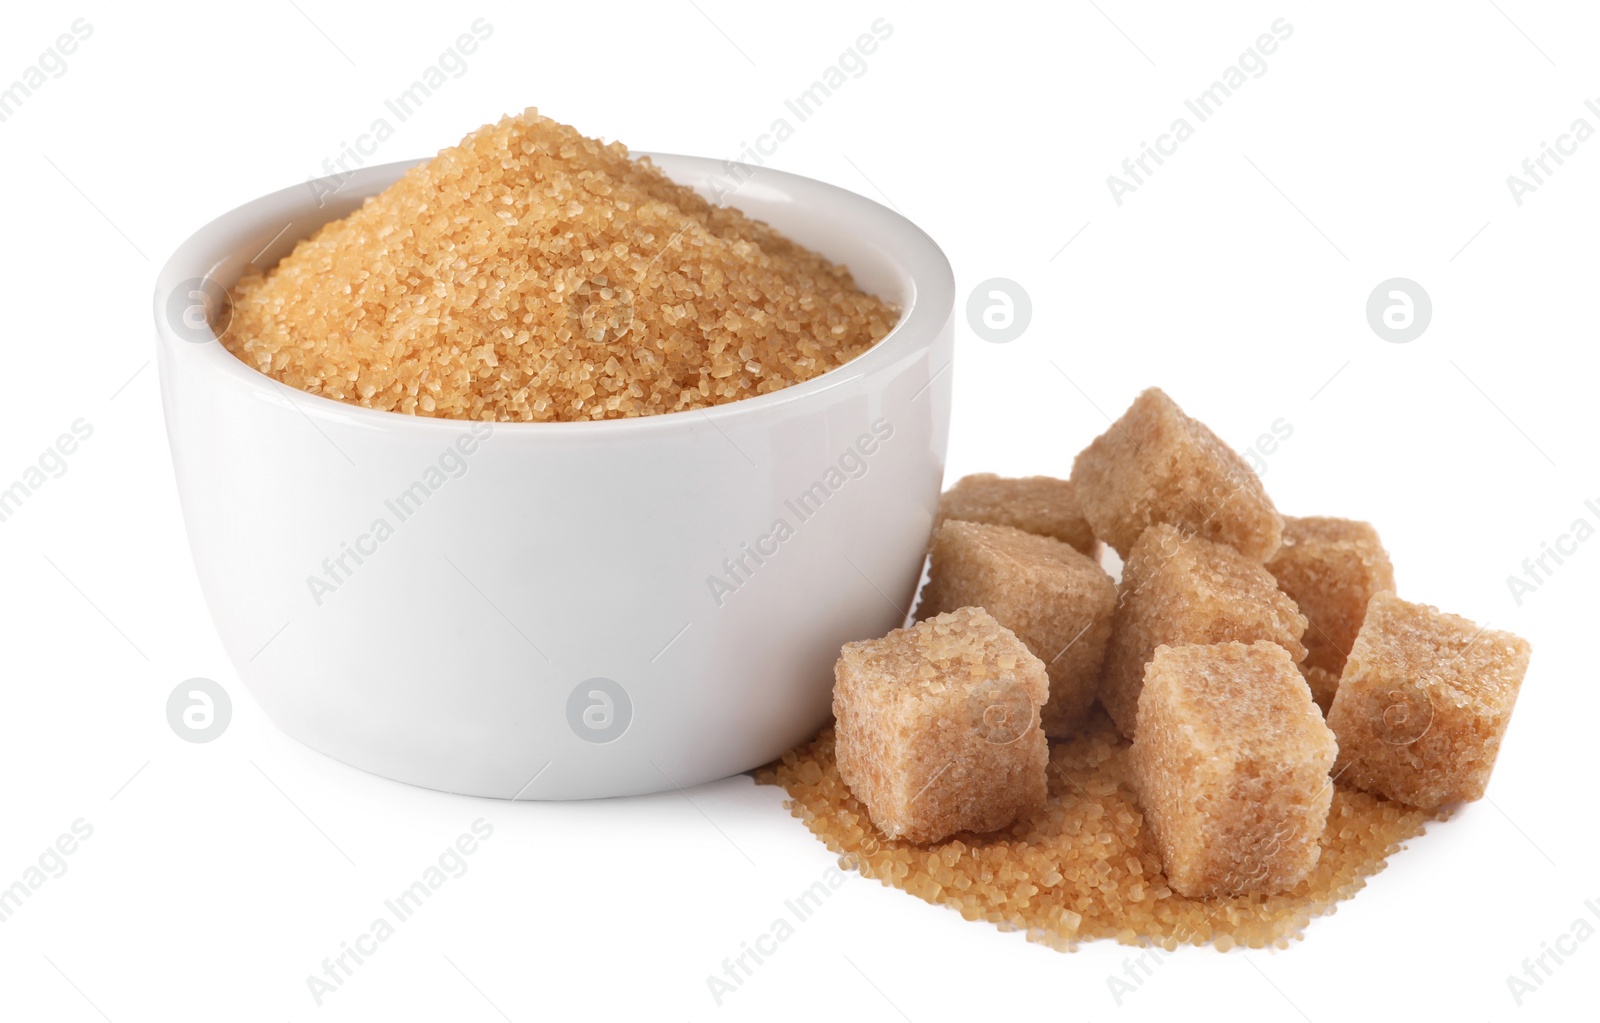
[
  {"x": 1155, "y": 465},
  {"x": 1231, "y": 766},
  {"x": 1423, "y": 703},
  {"x": 1179, "y": 589},
  {"x": 1057, "y": 601},
  {"x": 1330, "y": 568},
  {"x": 938, "y": 726},
  {"x": 1033, "y": 504}
]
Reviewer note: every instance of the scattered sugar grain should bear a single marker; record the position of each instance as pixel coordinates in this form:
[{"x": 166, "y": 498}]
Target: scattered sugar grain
[{"x": 1102, "y": 851}]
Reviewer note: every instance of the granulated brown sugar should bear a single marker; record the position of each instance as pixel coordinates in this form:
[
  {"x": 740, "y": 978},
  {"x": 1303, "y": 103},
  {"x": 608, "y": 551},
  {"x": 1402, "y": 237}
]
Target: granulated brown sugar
[
  {"x": 1085, "y": 867},
  {"x": 531, "y": 273}
]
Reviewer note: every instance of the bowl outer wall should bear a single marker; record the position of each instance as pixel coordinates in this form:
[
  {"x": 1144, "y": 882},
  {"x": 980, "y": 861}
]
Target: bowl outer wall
[{"x": 460, "y": 652}]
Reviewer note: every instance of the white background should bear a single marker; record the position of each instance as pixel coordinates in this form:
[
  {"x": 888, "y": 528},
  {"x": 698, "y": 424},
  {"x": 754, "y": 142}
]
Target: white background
[{"x": 1376, "y": 144}]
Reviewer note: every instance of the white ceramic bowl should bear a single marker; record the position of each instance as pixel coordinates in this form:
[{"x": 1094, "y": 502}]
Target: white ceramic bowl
[{"x": 527, "y": 610}]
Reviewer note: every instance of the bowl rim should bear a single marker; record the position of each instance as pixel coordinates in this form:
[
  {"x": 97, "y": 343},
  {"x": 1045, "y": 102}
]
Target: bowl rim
[{"x": 917, "y": 256}]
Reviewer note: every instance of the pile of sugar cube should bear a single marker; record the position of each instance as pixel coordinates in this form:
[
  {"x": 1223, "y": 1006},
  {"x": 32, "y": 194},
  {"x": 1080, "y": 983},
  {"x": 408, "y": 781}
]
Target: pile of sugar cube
[{"x": 1251, "y": 659}]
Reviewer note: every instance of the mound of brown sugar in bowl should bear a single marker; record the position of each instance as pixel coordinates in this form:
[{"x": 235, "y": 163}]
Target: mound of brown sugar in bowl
[
  {"x": 1085, "y": 867},
  {"x": 531, "y": 273}
]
